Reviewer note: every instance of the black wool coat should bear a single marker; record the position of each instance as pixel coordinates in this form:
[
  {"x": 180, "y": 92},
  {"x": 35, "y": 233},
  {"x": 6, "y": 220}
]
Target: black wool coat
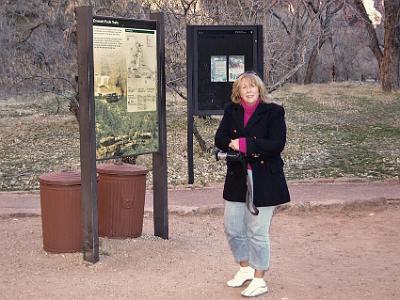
[{"x": 265, "y": 135}]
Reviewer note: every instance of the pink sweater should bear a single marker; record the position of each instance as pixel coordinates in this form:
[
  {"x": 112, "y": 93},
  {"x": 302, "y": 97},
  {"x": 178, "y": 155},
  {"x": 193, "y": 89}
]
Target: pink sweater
[{"x": 249, "y": 109}]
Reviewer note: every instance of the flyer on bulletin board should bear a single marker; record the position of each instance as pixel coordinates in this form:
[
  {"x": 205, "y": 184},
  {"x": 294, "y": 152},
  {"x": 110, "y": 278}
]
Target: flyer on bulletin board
[{"x": 218, "y": 68}]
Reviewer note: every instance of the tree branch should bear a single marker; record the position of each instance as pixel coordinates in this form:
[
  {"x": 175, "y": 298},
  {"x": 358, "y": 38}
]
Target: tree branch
[
  {"x": 289, "y": 74},
  {"x": 175, "y": 89},
  {"x": 29, "y": 34},
  {"x": 273, "y": 13}
]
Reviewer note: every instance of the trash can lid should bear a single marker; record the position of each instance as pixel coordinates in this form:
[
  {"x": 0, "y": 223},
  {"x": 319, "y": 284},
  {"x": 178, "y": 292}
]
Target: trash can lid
[
  {"x": 61, "y": 178},
  {"x": 121, "y": 169}
]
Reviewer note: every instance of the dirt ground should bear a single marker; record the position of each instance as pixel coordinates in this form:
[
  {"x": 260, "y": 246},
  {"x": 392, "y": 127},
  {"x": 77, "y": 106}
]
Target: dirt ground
[{"x": 315, "y": 255}]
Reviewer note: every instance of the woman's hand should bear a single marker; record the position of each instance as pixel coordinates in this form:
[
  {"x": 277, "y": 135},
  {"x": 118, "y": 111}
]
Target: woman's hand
[{"x": 234, "y": 144}]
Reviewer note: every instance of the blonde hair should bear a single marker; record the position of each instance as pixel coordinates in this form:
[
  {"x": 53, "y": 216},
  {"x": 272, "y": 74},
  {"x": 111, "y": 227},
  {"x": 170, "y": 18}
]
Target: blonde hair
[{"x": 253, "y": 78}]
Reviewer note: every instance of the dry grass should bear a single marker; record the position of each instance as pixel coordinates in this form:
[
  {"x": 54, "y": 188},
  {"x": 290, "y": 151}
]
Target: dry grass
[
  {"x": 341, "y": 130},
  {"x": 334, "y": 130}
]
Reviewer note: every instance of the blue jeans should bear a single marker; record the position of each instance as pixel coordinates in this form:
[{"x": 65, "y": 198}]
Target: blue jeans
[{"x": 247, "y": 234}]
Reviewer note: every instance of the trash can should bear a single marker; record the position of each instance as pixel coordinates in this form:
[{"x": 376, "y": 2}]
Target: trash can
[
  {"x": 121, "y": 197},
  {"x": 60, "y": 204}
]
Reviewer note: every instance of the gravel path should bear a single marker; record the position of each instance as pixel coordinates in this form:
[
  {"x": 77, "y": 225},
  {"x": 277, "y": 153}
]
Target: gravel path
[{"x": 325, "y": 254}]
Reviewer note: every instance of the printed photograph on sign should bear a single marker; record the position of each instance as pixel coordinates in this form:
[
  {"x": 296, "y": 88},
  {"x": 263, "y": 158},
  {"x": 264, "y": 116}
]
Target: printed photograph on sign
[
  {"x": 218, "y": 69},
  {"x": 142, "y": 67},
  {"x": 125, "y": 88},
  {"x": 236, "y": 66},
  {"x": 109, "y": 65}
]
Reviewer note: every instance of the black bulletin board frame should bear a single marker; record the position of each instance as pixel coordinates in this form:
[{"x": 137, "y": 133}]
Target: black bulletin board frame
[{"x": 193, "y": 57}]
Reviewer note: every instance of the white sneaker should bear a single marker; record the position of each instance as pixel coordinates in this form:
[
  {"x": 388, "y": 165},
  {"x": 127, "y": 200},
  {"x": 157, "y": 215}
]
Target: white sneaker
[
  {"x": 244, "y": 274},
  {"x": 256, "y": 288}
]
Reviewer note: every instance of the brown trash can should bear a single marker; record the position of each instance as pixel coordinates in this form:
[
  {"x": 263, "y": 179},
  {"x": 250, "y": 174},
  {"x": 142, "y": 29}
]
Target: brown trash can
[
  {"x": 60, "y": 203},
  {"x": 121, "y": 197}
]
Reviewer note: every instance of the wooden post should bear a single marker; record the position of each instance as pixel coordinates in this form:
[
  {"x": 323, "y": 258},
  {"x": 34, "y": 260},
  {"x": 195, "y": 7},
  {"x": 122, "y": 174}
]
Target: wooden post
[
  {"x": 190, "y": 107},
  {"x": 87, "y": 134},
  {"x": 160, "y": 179},
  {"x": 259, "y": 46}
]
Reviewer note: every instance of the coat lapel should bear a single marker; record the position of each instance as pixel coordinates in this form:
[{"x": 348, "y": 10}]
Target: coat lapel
[
  {"x": 261, "y": 110},
  {"x": 238, "y": 117}
]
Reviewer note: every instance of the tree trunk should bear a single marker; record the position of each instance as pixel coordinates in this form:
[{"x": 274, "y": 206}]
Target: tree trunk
[
  {"x": 389, "y": 60},
  {"x": 312, "y": 62},
  {"x": 389, "y": 68},
  {"x": 373, "y": 39}
]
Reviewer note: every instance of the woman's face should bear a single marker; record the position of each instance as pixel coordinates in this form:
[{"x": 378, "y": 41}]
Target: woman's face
[{"x": 248, "y": 91}]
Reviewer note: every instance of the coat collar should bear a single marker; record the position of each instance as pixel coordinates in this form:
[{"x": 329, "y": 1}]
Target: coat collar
[{"x": 238, "y": 115}]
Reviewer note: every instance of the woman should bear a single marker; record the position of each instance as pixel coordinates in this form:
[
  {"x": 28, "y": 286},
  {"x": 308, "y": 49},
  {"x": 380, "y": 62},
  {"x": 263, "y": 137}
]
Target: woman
[{"x": 256, "y": 128}]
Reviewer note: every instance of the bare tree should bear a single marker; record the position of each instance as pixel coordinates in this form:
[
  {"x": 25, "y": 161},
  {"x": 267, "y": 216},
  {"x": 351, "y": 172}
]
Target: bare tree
[
  {"x": 31, "y": 36},
  {"x": 389, "y": 58},
  {"x": 293, "y": 34},
  {"x": 327, "y": 10},
  {"x": 38, "y": 38},
  {"x": 39, "y": 44},
  {"x": 289, "y": 35}
]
